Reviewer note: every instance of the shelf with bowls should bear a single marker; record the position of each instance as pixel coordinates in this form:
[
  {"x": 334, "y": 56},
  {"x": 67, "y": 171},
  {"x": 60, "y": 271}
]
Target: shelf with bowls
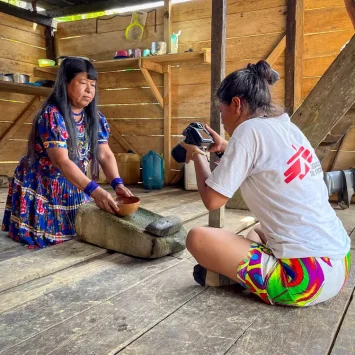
[
  {"x": 189, "y": 58},
  {"x": 8, "y": 86}
]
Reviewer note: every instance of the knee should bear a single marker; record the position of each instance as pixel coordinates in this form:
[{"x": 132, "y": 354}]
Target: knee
[{"x": 194, "y": 239}]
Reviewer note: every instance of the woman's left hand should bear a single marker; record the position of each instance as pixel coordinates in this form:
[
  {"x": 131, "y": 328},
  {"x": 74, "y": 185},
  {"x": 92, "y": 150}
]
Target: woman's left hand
[
  {"x": 122, "y": 190},
  {"x": 189, "y": 150}
]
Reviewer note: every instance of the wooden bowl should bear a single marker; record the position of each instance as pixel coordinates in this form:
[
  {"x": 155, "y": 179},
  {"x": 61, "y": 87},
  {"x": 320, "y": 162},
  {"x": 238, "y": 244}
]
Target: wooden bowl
[{"x": 127, "y": 205}]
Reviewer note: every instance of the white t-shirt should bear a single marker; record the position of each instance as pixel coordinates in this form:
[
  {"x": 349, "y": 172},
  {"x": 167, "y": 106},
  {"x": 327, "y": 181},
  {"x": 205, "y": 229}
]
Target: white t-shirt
[{"x": 281, "y": 181}]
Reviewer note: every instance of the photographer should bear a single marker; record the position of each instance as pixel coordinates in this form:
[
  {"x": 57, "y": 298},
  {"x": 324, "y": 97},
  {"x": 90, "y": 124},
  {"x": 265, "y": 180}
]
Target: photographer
[{"x": 300, "y": 256}]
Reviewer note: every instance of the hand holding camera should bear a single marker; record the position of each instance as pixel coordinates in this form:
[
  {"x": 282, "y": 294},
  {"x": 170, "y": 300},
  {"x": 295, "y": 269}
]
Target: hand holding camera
[
  {"x": 198, "y": 139},
  {"x": 219, "y": 145}
]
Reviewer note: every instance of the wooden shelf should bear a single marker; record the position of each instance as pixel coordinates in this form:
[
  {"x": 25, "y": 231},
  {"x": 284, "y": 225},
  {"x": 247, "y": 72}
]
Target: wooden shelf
[
  {"x": 16, "y": 88},
  {"x": 190, "y": 58}
]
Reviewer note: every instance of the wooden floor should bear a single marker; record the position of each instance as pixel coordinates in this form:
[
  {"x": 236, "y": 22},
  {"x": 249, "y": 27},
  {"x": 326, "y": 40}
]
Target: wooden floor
[{"x": 75, "y": 298}]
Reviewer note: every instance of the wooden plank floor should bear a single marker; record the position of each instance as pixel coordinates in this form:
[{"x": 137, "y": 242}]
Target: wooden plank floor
[{"x": 75, "y": 298}]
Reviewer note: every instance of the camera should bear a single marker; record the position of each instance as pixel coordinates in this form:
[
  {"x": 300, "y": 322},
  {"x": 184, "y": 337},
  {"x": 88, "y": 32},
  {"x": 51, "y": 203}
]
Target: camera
[{"x": 195, "y": 134}]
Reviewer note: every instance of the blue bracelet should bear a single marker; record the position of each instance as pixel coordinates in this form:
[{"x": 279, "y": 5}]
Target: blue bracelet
[
  {"x": 115, "y": 182},
  {"x": 91, "y": 187}
]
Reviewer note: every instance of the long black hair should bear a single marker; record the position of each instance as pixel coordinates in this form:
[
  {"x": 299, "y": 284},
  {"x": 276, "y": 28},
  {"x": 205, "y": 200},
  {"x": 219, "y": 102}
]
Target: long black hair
[
  {"x": 69, "y": 68},
  {"x": 252, "y": 85}
]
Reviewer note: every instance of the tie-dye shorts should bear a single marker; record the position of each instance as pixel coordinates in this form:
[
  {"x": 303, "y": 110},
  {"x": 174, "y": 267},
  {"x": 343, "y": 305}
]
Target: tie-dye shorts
[{"x": 292, "y": 282}]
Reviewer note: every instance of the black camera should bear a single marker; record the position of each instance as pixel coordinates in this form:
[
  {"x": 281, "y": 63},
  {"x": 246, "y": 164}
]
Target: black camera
[{"x": 194, "y": 136}]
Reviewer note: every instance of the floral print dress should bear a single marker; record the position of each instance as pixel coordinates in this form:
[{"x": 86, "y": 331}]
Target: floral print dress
[{"x": 41, "y": 204}]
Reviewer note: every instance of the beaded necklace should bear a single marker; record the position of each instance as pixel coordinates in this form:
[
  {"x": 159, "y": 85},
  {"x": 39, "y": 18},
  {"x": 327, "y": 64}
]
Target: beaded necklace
[{"x": 82, "y": 138}]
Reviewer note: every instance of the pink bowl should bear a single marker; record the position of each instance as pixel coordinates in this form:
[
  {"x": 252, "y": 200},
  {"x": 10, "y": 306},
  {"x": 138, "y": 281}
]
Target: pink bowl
[{"x": 121, "y": 53}]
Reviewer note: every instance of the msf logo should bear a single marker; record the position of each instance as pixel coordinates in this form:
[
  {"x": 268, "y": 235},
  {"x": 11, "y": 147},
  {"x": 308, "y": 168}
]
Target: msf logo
[{"x": 300, "y": 164}]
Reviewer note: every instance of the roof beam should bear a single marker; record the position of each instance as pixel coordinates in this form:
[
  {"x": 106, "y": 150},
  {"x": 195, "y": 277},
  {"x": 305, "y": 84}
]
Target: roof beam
[
  {"x": 94, "y": 7},
  {"x": 26, "y": 14}
]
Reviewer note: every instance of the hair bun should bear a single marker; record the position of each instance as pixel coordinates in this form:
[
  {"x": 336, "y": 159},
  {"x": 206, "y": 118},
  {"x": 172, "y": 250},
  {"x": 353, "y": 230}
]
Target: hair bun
[{"x": 263, "y": 70}]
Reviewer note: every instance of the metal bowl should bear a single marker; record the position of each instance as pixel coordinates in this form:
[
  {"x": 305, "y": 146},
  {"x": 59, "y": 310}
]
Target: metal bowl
[
  {"x": 21, "y": 78},
  {"x": 6, "y": 78}
]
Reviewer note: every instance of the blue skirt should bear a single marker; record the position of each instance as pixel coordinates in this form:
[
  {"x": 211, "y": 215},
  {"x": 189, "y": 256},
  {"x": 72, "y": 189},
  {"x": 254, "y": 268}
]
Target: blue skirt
[{"x": 41, "y": 206}]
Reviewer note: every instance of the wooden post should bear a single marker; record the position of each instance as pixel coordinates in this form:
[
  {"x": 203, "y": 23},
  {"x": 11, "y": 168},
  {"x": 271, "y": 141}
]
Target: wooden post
[
  {"x": 167, "y": 124},
  {"x": 294, "y": 54},
  {"x": 50, "y": 45},
  {"x": 218, "y": 49},
  {"x": 167, "y": 24},
  {"x": 167, "y": 93}
]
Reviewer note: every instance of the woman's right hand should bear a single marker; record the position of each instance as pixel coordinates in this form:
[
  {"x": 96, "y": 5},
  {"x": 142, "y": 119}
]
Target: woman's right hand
[
  {"x": 104, "y": 200},
  {"x": 220, "y": 144}
]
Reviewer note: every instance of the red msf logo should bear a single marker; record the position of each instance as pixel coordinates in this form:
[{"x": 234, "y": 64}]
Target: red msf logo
[{"x": 300, "y": 164}]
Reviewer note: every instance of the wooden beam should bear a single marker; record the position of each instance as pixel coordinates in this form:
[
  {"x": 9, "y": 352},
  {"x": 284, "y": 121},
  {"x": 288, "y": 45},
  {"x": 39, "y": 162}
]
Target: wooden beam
[
  {"x": 330, "y": 99},
  {"x": 32, "y": 106},
  {"x": 168, "y": 23},
  {"x": 27, "y": 15},
  {"x": 147, "y": 64},
  {"x": 218, "y": 48},
  {"x": 278, "y": 50},
  {"x": 154, "y": 88},
  {"x": 294, "y": 54},
  {"x": 120, "y": 139},
  {"x": 34, "y": 6},
  {"x": 50, "y": 44},
  {"x": 94, "y": 6},
  {"x": 167, "y": 124}
]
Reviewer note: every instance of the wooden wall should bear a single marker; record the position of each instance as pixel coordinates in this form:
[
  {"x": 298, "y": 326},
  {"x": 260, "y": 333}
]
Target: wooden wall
[
  {"x": 22, "y": 43},
  {"x": 327, "y": 29},
  {"x": 254, "y": 28},
  {"x": 124, "y": 97}
]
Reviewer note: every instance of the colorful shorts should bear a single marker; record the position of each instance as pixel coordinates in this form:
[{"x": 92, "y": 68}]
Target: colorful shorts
[{"x": 292, "y": 282}]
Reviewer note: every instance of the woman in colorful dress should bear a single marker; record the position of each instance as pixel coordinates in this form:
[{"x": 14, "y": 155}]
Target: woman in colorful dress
[
  {"x": 50, "y": 181},
  {"x": 300, "y": 254}
]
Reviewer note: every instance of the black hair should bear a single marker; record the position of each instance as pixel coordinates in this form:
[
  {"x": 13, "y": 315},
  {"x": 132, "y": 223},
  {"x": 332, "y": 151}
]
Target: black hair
[
  {"x": 252, "y": 85},
  {"x": 69, "y": 68}
]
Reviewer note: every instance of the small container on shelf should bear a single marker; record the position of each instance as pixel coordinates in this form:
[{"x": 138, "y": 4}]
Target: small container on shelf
[
  {"x": 46, "y": 63},
  {"x": 174, "y": 42}
]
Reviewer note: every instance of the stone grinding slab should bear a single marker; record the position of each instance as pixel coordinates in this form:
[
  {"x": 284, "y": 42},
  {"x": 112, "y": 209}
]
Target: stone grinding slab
[{"x": 128, "y": 235}]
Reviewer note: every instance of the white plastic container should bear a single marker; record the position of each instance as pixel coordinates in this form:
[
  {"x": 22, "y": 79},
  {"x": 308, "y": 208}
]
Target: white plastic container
[{"x": 190, "y": 181}]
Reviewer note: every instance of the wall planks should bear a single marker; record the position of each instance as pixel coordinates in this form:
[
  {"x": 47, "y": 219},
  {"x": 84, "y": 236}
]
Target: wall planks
[{"x": 254, "y": 28}]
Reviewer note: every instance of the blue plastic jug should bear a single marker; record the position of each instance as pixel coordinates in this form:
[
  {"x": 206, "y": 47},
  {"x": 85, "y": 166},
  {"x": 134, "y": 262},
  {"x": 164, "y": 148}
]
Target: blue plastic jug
[{"x": 153, "y": 171}]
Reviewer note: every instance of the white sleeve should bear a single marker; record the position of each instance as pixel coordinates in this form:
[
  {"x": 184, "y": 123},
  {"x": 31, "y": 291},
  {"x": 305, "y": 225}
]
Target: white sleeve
[{"x": 234, "y": 167}]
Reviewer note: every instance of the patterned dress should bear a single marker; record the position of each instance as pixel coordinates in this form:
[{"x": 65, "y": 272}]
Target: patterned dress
[{"x": 41, "y": 203}]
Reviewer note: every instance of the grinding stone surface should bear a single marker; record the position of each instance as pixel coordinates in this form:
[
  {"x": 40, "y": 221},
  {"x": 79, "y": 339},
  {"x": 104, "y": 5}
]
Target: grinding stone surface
[
  {"x": 165, "y": 226},
  {"x": 126, "y": 234}
]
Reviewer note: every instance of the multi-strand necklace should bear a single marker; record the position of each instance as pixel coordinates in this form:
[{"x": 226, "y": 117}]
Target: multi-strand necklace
[{"x": 82, "y": 137}]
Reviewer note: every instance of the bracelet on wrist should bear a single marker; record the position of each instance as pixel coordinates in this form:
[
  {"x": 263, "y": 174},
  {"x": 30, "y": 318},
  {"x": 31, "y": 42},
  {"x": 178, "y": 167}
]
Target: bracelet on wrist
[
  {"x": 197, "y": 151},
  {"x": 116, "y": 182},
  {"x": 91, "y": 187}
]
